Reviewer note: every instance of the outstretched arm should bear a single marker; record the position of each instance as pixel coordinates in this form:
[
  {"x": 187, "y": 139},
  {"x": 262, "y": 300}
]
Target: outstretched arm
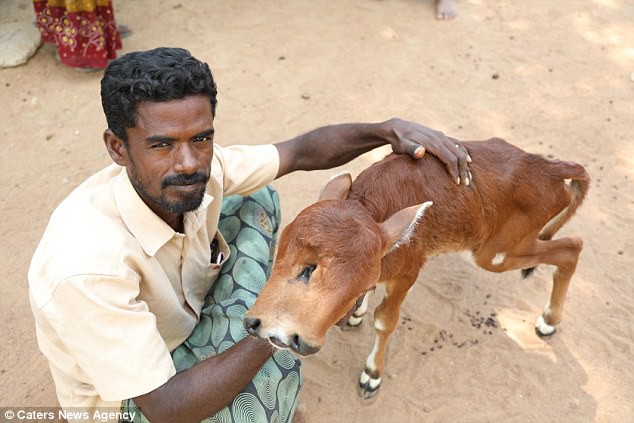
[
  {"x": 334, "y": 145},
  {"x": 206, "y": 388}
]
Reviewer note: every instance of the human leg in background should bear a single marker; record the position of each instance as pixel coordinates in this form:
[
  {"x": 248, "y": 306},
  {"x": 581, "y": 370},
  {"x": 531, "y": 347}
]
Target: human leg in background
[
  {"x": 445, "y": 9},
  {"x": 84, "y": 32}
]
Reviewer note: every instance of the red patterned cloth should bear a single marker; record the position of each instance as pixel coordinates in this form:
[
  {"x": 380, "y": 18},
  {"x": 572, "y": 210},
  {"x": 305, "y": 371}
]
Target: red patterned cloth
[{"x": 84, "y": 31}]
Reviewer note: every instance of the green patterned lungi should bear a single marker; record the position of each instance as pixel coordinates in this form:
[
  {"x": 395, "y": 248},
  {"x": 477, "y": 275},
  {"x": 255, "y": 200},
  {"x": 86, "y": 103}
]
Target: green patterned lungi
[{"x": 249, "y": 225}]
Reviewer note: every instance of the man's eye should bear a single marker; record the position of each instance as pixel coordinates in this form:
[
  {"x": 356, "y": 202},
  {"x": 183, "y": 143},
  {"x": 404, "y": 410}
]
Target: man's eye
[
  {"x": 160, "y": 145},
  {"x": 304, "y": 275},
  {"x": 202, "y": 139}
]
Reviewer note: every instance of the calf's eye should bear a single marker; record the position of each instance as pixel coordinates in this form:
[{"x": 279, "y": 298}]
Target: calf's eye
[{"x": 304, "y": 275}]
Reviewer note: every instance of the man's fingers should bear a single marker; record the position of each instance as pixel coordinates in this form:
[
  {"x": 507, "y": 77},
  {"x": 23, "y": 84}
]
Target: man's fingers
[
  {"x": 449, "y": 150},
  {"x": 451, "y": 160},
  {"x": 463, "y": 161},
  {"x": 463, "y": 165},
  {"x": 414, "y": 149}
]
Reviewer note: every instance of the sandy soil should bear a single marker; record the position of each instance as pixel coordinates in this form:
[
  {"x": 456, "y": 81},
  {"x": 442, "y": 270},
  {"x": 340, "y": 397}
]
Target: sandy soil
[{"x": 553, "y": 78}]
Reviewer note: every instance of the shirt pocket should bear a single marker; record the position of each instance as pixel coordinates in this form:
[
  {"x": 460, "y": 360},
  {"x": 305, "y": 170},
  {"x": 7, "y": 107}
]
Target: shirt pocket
[
  {"x": 203, "y": 289},
  {"x": 220, "y": 256}
]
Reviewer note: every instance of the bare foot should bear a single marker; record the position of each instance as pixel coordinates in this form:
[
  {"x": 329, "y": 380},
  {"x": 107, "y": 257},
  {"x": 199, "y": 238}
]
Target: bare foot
[{"x": 445, "y": 10}]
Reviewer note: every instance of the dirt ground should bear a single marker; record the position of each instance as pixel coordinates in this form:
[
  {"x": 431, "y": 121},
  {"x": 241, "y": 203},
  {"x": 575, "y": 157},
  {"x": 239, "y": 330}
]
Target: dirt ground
[{"x": 553, "y": 77}]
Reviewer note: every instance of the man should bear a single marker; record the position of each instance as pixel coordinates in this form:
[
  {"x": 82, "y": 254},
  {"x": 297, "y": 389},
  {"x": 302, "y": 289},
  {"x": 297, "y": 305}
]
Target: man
[{"x": 125, "y": 286}]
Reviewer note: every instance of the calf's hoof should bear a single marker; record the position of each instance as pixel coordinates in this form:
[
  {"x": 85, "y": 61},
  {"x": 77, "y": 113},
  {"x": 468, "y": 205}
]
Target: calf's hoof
[
  {"x": 352, "y": 323},
  {"x": 368, "y": 385},
  {"x": 543, "y": 329}
]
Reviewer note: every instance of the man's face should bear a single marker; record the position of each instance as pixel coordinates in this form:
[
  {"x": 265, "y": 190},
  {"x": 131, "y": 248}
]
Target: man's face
[{"x": 169, "y": 154}]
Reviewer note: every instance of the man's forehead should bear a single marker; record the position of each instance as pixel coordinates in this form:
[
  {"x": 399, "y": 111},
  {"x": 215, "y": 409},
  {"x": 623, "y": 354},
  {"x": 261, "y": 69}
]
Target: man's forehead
[
  {"x": 191, "y": 111},
  {"x": 176, "y": 106}
]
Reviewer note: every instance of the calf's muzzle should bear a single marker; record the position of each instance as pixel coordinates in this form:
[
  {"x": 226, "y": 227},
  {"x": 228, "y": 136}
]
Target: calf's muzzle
[{"x": 294, "y": 342}]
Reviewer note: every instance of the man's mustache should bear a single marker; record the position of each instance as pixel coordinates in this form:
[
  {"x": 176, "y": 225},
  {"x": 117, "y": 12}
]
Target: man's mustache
[{"x": 184, "y": 179}]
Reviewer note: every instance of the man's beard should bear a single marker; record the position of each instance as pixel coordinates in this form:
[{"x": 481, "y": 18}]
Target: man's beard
[{"x": 174, "y": 207}]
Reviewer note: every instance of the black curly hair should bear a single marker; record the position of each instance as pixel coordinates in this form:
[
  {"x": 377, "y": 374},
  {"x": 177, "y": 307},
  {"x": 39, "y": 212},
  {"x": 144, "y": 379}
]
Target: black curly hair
[{"x": 160, "y": 74}]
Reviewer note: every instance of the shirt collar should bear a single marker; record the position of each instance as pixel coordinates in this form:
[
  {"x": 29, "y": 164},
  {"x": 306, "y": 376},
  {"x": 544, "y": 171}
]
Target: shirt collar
[{"x": 146, "y": 226}]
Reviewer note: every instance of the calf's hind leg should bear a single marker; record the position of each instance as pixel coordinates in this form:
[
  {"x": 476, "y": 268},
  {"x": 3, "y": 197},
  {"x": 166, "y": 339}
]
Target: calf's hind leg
[
  {"x": 386, "y": 318},
  {"x": 562, "y": 253},
  {"x": 565, "y": 258}
]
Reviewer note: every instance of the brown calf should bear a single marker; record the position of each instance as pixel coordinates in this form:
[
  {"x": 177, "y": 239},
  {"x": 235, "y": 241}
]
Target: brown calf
[{"x": 373, "y": 231}]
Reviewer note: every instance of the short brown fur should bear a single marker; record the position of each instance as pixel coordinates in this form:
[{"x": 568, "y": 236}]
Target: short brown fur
[{"x": 506, "y": 217}]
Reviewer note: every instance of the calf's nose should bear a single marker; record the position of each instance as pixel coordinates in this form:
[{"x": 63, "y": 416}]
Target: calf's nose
[
  {"x": 252, "y": 325},
  {"x": 298, "y": 345}
]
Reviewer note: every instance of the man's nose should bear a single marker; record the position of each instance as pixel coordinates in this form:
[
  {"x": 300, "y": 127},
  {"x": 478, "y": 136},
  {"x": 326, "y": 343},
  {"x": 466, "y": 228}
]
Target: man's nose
[{"x": 186, "y": 159}]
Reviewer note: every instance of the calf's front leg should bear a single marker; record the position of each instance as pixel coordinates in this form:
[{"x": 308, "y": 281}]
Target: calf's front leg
[
  {"x": 386, "y": 318},
  {"x": 357, "y": 317}
]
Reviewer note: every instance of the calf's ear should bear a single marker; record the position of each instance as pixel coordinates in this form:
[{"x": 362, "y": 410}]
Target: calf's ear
[
  {"x": 337, "y": 188},
  {"x": 399, "y": 228}
]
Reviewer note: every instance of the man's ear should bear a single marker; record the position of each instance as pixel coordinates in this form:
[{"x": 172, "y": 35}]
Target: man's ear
[
  {"x": 116, "y": 147},
  {"x": 399, "y": 228},
  {"x": 337, "y": 188}
]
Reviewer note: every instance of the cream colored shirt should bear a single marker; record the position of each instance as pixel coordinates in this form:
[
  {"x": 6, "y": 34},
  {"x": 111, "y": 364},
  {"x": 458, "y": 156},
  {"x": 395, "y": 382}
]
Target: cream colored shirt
[{"x": 114, "y": 289}]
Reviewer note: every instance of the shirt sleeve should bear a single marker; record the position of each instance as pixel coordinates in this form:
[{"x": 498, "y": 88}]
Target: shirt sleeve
[
  {"x": 245, "y": 168},
  {"x": 112, "y": 336}
]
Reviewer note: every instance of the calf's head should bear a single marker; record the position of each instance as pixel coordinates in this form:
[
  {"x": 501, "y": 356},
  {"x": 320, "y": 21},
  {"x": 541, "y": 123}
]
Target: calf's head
[{"x": 327, "y": 259}]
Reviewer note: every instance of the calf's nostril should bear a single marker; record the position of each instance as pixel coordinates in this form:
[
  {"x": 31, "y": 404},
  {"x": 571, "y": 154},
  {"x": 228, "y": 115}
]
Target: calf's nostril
[
  {"x": 252, "y": 324},
  {"x": 296, "y": 343}
]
